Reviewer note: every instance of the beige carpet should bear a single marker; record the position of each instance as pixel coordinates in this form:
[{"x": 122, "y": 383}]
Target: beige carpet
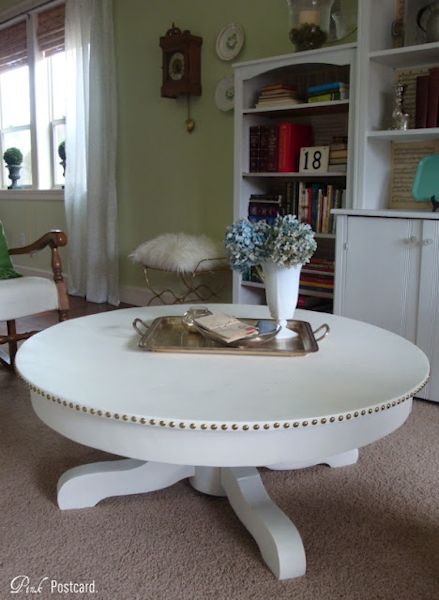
[{"x": 371, "y": 531}]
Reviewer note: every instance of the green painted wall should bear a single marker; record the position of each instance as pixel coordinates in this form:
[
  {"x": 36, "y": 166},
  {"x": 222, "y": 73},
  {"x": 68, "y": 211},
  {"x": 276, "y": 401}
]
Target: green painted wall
[{"x": 169, "y": 180}]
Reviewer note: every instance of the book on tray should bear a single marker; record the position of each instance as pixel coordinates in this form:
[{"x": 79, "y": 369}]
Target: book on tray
[{"x": 227, "y": 328}]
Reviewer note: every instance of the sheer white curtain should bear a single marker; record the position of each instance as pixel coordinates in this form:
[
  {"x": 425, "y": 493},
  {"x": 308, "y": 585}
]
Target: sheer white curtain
[{"x": 91, "y": 128}]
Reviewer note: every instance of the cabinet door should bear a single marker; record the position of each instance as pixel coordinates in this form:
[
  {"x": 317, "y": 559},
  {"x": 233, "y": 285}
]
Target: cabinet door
[
  {"x": 379, "y": 271},
  {"x": 428, "y": 314}
]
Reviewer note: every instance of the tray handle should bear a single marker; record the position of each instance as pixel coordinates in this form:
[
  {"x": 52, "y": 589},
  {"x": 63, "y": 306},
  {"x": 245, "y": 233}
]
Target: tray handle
[
  {"x": 326, "y": 330},
  {"x": 140, "y": 326}
]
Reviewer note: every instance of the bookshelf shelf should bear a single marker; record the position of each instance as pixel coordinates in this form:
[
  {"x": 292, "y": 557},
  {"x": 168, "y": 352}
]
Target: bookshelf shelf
[
  {"x": 297, "y": 176},
  {"x": 325, "y": 236},
  {"x": 312, "y": 108},
  {"x": 410, "y": 134},
  {"x": 408, "y": 56},
  {"x": 313, "y": 272}
]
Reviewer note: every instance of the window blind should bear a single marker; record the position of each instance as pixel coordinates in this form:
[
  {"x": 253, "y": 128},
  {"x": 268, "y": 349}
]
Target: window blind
[
  {"x": 50, "y": 30},
  {"x": 13, "y": 46}
]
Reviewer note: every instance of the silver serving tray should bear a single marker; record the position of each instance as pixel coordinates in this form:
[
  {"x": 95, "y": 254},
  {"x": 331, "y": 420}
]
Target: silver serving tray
[{"x": 170, "y": 334}]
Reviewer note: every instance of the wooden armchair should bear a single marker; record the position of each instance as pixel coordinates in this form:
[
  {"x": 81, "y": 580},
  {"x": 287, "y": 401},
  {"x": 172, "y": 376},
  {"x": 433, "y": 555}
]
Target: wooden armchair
[{"x": 26, "y": 296}]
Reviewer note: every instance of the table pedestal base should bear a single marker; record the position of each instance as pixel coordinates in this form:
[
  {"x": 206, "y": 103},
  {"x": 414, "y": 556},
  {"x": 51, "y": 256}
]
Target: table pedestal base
[{"x": 278, "y": 539}]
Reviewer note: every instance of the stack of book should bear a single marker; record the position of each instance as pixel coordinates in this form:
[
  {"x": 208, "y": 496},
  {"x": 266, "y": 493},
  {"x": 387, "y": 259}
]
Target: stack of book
[
  {"x": 315, "y": 202},
  {"x": 314, "y": 303},
  {"x": 318, "y": 276},
  {"x": 338, "y": 156},
  {"x": 427, "y": 99},
  {"x": 276, "y": 148},
  {"x": 265, "y": 207},
  {"x": 277, "y": 95},
  {"x": 327, "y": 92}
]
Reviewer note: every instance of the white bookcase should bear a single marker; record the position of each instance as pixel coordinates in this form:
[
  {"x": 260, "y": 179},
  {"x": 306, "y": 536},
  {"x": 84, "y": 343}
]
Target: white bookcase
[
  {"x": 326, "y": 118},
  {"x": 378, "y": 65}
]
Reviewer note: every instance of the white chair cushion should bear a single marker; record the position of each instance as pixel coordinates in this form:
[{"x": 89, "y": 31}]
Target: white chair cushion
[
  {"x": 26, "y": 296},
  {"x": 180, "y": 253}
]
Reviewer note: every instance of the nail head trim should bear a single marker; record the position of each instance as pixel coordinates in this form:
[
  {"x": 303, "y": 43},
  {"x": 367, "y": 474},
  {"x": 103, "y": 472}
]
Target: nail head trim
[{"x": 223, "y": 426}]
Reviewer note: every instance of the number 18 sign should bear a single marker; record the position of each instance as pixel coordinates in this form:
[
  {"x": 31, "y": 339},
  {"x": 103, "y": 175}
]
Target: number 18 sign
[{"x": 314, "y": 159}]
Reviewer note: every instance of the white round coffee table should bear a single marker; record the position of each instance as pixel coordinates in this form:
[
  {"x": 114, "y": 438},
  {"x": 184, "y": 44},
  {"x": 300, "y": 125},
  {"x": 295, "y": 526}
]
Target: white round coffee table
[{"x": 215, "y": 418}]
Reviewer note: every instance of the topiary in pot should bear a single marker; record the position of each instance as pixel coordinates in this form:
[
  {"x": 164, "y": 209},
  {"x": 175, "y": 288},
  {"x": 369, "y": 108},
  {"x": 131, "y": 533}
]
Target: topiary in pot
[
  {"x": 62, "y": 150},
  {"x": 62, "y": 155},
  {"x": 13, "y": 158}
]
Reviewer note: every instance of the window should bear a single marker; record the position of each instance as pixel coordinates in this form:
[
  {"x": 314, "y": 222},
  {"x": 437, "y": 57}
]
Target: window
[{"x": 32, "y": 96}]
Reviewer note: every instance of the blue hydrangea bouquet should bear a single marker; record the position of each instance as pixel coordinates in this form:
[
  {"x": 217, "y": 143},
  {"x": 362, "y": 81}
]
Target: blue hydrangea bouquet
[{"x": 286, "y": 243}]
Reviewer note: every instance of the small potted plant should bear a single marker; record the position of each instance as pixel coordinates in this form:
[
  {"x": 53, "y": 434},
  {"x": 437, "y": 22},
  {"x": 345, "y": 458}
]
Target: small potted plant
[
  {"x": 13, "y": 158},
  {"x": 62, "y": 155},
  {"x": 280, "y": 250}
]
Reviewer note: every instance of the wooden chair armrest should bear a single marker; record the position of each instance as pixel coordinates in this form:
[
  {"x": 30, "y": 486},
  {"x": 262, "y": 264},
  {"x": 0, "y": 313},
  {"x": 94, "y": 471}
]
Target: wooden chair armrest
[{"x": 54, "y": 239}]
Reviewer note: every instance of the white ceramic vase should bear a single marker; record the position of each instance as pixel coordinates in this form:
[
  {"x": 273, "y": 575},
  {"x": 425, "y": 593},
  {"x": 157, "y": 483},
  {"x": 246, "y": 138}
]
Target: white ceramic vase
[{"x": 282, "y": 292}]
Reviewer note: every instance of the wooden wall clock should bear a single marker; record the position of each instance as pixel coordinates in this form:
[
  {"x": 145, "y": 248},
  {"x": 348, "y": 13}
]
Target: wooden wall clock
[{"x": 181, "y": 63}]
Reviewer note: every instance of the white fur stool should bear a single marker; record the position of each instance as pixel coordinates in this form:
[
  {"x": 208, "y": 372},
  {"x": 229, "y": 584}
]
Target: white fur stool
[{"x": 187, "y": 256}]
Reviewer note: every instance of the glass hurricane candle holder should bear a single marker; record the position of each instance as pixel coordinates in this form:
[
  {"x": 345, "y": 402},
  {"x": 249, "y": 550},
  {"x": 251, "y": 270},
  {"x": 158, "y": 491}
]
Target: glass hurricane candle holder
[{"x": 309, "y": 23}]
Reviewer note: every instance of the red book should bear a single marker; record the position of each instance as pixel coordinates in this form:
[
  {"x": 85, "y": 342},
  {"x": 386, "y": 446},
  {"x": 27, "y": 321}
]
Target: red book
[
  {"x": 433, "y": 98},
  {"x": 421, "y": 101},
  {"x": 292, "y": 137}
]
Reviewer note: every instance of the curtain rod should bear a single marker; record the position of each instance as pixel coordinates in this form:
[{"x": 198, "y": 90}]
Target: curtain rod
[{"x": 31, "y": 9}]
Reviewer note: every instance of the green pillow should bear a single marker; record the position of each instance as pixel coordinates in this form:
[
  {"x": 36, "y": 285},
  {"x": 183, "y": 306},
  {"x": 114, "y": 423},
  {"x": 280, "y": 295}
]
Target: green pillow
[{"x": 7, "y": 271}]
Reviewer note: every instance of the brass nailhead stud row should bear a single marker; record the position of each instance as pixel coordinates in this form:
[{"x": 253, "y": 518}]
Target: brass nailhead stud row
[{"x": 223, "y": 426}]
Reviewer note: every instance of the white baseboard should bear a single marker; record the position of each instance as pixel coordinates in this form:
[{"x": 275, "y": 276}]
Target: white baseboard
[
  {"x": 32, "y": 272},
  {"x": 137, "y": 296},
  {"x": 129, "y": 294}
]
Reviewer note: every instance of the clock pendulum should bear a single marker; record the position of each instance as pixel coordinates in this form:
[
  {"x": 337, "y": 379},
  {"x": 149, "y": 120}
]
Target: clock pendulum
[{"x": 190, "y": 123}]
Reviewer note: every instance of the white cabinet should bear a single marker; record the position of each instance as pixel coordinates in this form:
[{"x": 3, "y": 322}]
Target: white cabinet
[{"x": 387, "y": 274}]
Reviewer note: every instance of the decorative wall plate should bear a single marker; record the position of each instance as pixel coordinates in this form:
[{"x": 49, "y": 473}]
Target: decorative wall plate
[
  {"x": 230, "y": 41},
  {"x": 225, "y": 94}
]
